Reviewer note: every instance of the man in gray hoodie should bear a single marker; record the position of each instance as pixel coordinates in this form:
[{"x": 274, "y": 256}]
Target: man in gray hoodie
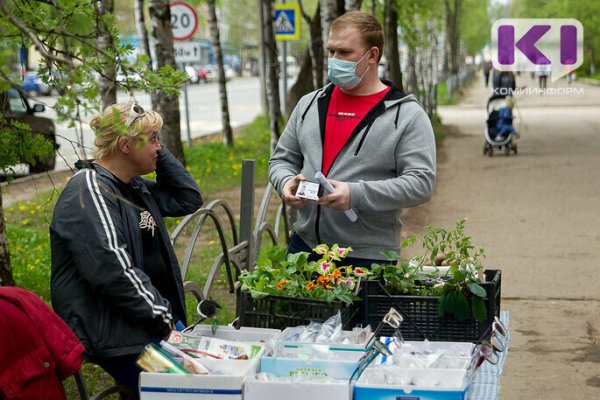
[{"x": 374, "y": 144}]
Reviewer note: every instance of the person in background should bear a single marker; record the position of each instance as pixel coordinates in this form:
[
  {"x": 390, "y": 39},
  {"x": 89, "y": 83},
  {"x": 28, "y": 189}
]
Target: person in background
[
  {"x": 37, "y": 348},
  {"x": 115, "y": 278},
  {"x": 374, "y": 143},
  {"x": 487, "y": 68}
]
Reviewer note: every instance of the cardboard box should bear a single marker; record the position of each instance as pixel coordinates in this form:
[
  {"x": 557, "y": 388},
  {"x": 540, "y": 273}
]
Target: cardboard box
[
  {"x": 190, "y": 387},
  {"x": 381, "y": 392},
  {"x": 341, "y": 364},
  {"x": 299, "y": 390},
  {"x": 225, "y": 385}
]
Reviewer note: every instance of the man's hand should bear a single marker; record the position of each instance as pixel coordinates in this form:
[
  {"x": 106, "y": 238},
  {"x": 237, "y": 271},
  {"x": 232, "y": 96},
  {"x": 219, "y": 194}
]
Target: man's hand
[
  {"x": 289, "y": 192},
  {"x": 338, "y": 200}
]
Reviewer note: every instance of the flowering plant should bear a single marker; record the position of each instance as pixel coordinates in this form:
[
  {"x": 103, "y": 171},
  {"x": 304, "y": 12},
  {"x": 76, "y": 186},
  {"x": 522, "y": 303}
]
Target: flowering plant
[
  {"x": 450, "y": 268},
  {"x": 326, "y": 279}
]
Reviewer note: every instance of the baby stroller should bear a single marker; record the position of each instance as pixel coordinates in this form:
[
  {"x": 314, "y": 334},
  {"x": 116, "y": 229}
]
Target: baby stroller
[{"x": 499, "y": 131}]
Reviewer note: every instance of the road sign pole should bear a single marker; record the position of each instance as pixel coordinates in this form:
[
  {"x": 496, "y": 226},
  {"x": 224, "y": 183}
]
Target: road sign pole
[
  {"x": 187, "y": 112},
  {"x": 284, "y": 73}
]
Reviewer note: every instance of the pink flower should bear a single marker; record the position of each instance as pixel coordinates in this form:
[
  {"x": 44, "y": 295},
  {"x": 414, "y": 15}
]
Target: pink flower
[
  {"x": 350, "y": 283},
  {"x": 321, "y": 249},
  {"x": 324, "y": 267}
]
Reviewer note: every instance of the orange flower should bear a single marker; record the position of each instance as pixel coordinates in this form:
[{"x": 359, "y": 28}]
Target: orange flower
[
  {"x": 328, "y": 287},
  {"x": 323, "y": 280},
  {"x": 336, "y": 274},
  {"x": 281, "y": 284},
  {"x": 310, "y": 286}
]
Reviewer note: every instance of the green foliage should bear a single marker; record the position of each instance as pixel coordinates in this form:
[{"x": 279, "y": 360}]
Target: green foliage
[
  {"x": 326, "y": 279},
  {"x": 18, "y": 144},
  {"x": 475, "y": 25},
  {"x": 450, "y": 268},
  {"x": 215, "y": 165}
]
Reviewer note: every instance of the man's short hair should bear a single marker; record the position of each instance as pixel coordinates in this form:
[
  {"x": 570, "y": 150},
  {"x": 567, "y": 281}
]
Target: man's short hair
[{"x": 371, "y": 31}]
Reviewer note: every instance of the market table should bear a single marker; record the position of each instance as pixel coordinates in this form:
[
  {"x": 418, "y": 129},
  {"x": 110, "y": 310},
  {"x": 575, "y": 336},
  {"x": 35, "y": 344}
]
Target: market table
[{"x": 486, "y": 382}]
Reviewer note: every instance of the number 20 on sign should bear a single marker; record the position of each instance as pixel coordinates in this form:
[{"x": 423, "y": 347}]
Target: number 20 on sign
[{"x": 184, "y": 20}]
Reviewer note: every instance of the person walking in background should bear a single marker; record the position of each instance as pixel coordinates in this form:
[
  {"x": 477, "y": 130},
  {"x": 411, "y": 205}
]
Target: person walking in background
[
  {"x": 542, "y": 72},
  {"x": 374, "y": 144},
  {"x": 487, "y": 68},
  {"x": 115, "y": 278},
  {"x": 504, "y": 82}
]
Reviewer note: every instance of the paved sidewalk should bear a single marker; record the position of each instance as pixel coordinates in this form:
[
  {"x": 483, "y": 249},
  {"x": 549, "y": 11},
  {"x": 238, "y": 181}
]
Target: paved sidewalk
[{"x": 537, "y": 215}]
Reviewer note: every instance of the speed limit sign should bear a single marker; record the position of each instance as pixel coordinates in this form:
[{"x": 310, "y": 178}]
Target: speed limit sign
[{"x": 184, "y": 21}]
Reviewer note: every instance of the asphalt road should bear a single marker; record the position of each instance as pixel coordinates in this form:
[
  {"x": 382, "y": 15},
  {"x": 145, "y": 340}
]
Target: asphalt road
[
  {"x": 537, "y": 214},
  {"x": 204, "y": 110}
]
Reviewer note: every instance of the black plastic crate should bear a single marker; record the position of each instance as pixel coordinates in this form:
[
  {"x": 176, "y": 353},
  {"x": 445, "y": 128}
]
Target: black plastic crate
[
  {"x": 280, "y": 312},
  {"x": 421, "y": 320}
]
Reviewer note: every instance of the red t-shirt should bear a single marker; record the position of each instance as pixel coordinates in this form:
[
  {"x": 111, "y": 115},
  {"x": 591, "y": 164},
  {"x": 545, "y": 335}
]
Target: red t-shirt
[{"x": 343, "y": 115}]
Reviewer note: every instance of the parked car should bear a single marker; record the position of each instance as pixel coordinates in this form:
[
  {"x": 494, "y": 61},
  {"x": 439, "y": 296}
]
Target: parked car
[
  {"x": 33, "y": 85},
  {"x": 15, "y": 107},
  {"x": 192, "y": 74}
]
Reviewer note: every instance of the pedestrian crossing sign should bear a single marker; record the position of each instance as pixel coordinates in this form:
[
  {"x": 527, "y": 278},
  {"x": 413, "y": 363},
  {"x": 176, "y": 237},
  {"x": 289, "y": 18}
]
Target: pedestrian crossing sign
[{"x": 287, "y": 22}]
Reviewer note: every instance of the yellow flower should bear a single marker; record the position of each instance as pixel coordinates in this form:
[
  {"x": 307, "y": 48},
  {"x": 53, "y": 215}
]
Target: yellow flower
[
  {"x": 310, "y": 286},
  {"x": 22, "y": 208}
]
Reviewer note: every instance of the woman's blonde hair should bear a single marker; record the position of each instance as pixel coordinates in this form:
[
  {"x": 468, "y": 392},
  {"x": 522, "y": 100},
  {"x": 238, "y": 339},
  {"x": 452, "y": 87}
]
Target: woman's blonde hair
[{"x": 110, "y": 126}]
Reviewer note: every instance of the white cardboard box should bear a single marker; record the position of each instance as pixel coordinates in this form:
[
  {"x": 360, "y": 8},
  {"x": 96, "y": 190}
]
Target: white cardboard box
[
  {"x": 341, "y": 367},
  {"x": 190, "y": 387},
  {"x": 299, "y": 390},
  {"x": 225, "y": 386}
]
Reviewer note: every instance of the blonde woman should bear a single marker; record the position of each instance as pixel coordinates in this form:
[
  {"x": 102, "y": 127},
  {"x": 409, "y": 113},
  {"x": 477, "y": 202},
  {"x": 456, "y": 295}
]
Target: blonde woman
[{"x": 115, "y": 277}]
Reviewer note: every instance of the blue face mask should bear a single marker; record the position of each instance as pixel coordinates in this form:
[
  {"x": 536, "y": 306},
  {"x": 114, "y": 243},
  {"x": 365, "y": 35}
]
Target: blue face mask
[{"x": 343, "y": 73}]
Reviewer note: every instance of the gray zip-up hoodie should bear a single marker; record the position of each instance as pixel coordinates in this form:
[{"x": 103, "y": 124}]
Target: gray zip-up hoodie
[{"x": 388, "y": 163}]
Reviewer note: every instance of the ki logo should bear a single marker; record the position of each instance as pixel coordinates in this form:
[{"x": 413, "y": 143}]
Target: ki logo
[{"x": 553, "y": 45}]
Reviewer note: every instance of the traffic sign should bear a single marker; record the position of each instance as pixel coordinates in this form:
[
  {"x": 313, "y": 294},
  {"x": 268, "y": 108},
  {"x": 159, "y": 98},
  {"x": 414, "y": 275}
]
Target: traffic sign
[
  {"x": 184, "y": 21},
  {"x": 187, "y": 52},
  {"x": 287, "y": 22}
]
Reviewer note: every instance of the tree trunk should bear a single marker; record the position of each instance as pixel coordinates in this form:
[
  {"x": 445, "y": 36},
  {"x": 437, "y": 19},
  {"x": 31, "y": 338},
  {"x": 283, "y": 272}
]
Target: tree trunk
[
  {"x": 411, "y": 83},
  {"x": 373, "y": 8},
  {"x": 303, "y": 85},
  {"x": 166, "y": 106},
  {"x": 329, "y": 12},
  {"x": 272, "y": 64},
  {"x": 216, "y": 44},
  {"x": 6, "y": 274},
  {"x": 453, "y": 10},
  {"x": 315, "y": 51},
  {"x": 140, "y": 27},
  {"x": 262, "y": 64},
  {"x": 392, "y": 66},
  {"x": 352, "y": 5},
  {"x": 104, "y": 41}
]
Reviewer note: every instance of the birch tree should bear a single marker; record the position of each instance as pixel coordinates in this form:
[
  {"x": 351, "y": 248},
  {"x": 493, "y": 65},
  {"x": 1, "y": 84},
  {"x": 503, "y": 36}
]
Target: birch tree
[
  {"x": 216, "y": 44},
  {"x": 272, "y": 72},
  {"x": 166, "y": 104}
]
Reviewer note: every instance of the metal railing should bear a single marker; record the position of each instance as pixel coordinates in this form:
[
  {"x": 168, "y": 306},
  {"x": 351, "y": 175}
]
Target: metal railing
[{"x": 246, "y": 242}]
